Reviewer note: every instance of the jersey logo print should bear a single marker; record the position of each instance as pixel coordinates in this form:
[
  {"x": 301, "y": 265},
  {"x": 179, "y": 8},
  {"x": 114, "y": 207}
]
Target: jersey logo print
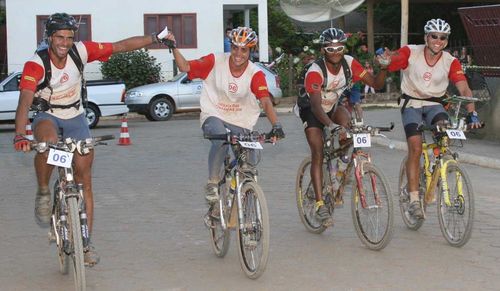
[
  {"x": 427, "y": 76},
  {"x": 64, "y": 78},
  {"x": 233, "y": 88}
]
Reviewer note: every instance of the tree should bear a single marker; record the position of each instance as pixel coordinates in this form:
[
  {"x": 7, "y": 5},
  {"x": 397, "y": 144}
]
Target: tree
[{"x": 135, "y": 68}]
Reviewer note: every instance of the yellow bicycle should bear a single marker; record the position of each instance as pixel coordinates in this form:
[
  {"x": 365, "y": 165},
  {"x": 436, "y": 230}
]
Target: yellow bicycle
[{"x": 440, "y": 170}]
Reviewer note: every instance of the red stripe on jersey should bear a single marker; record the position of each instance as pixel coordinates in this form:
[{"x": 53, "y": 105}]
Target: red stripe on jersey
[
  {"x": 399, "y": 60},
  {"x": 313, "y": 82},
  {"x": 456, "y": 73},
  {"x": 32, "y": 74},
  {"x": 200, "y": 68},
  {"x": 259, "y": 85},
  {"x": 98, "y": 51}
]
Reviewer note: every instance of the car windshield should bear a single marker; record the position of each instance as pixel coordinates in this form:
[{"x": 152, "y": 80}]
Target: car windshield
[{"x": 177, "y": 77}]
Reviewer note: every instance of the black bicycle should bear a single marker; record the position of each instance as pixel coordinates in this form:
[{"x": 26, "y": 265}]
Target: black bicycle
[{"x": 69, "y": 227}]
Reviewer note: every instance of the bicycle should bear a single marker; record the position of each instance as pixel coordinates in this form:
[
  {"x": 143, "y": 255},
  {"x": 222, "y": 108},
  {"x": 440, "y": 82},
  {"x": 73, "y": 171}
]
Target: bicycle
[
  {"x": 371, "y": 202},
  {"x": 441, "y": 170},
  {"x": 68, "y": 224},
  {"x": 241, "y": 205}
]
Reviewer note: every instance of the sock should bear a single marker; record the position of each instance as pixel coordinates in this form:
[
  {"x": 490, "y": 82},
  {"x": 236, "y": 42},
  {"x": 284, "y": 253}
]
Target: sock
[{"x": 414, "y": 196}]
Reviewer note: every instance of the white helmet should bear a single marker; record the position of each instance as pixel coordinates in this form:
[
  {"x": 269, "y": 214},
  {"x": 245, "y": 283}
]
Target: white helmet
[{"x": 437, "y": 25}]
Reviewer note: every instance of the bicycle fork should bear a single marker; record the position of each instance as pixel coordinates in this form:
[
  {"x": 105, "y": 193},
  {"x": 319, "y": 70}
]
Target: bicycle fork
[{"x": 358, "y": 174}]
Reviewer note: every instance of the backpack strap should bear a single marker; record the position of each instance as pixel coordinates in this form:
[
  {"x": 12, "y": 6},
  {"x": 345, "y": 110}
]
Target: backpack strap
[
  {"x": 347, "y": 73},
  {"x": 44, "y": 55},
  {"x": 321, "y": 63}
]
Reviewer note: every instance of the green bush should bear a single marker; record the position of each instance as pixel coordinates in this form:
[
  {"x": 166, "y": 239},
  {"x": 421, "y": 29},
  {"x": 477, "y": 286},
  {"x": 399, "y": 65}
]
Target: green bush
[{"x": 135, "y": 68}]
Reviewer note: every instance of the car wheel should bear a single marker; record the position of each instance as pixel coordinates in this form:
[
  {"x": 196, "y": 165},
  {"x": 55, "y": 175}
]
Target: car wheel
[
  {"x": 92, "y": 114},
  {"x": 160, "y": 109}
]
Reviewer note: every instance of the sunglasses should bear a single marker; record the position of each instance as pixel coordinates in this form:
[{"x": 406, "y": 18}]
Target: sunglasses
[
  {"x": 334, "y": 49},
  {"x": 442, "y": 37}
]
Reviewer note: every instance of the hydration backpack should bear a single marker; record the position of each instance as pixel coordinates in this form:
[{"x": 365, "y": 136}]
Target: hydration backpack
[
  {"x": 303, "y": 100},
  {"x": 40, "y": 104}
]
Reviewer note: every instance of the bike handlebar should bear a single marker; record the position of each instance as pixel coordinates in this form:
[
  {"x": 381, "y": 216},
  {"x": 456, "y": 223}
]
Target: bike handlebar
[
  {"x": 234, "y": 138},
  {"x": 70, "y": 145}
]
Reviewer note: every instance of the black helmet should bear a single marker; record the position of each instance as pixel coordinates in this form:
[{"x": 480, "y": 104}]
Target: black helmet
[
  {"x": 332, "y": 35},
  {"x": 60, "y": 21}
]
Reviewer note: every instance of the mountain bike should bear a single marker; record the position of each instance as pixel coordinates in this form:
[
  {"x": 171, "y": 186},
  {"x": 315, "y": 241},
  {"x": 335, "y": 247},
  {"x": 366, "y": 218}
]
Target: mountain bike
[
  {"x": 69, "y": 227},
  {"x": 440, "y": 170},
  {"x": 371, "y": 202},
  {"x": 241, "y": 205}
]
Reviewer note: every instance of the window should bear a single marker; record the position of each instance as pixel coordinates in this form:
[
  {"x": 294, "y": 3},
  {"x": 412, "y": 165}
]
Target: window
[
  {"x": 13, "y": 84},
  {"x": 83, "y": 33},
  {"x": 183, "y": 26}
]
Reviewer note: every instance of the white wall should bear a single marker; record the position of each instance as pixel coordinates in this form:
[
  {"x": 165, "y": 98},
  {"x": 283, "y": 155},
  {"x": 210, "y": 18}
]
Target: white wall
[{"x": 113, "y": 20}]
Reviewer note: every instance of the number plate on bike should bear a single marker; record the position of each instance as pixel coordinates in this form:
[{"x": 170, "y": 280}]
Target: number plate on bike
[
  {"x": 251, "y": 145},
  {"x": 362, "y": 140},
  {"x": 60, "y": 158},
  {"x": 455, "y": 134}
]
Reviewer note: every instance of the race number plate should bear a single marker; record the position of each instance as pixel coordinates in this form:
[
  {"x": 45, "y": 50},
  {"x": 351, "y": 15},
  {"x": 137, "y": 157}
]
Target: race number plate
[
  {"x": 362, "y": 140},
  {"x": 251, "y": 145},
  {"x": 60, "y": 158},
  {"x": 455, "y": 134}
]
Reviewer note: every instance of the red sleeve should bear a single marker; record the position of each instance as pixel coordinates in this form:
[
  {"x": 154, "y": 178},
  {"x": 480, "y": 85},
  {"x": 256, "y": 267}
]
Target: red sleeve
[
  {"x": 358, "y": 71},
  {"x": 98, "y": 51},
  {"x": 313, "y": 82},
  {"x": 259, "y": 85},
  {"x": 32, "y": 74},
  {"x": 201, "y": 68},
  {"x": 399, "y": 60},
  {"x": 456, "y": 73}
]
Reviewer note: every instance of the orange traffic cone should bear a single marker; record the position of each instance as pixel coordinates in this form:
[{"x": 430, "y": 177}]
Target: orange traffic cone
[
  {"x": 29, "y": 132},
  {"x": 124, "y": 136}
]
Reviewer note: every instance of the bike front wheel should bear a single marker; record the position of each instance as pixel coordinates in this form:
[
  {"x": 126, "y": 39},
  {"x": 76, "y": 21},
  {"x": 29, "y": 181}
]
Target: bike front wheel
[
  {"x": 456, "y": 210},
  {"x": 404, "y": 197},
  {"x": 253, "y": 231},
  {"x": 77, "y": 243},
  {"x": 372, "y": 207},
  {"x": 220, "y": 237},
  {"x": 306, "y": 199}
]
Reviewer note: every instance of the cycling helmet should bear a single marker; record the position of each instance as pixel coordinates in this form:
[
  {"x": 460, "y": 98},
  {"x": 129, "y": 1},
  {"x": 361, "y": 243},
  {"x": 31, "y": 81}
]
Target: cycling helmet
[
  {"x": 332, "y": 35},
  {"x": 244, "y": 37},
  {"x": 437, "y": 25},
  {"x": 60, "y": 21}
]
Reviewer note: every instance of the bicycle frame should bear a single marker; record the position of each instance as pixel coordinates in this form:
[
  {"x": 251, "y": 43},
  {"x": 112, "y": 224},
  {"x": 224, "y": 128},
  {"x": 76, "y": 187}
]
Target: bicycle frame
[{"x": 432, "y": 175}]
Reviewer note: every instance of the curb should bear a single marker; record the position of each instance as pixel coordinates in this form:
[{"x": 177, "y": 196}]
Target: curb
[{"x": 472, "y": 159}]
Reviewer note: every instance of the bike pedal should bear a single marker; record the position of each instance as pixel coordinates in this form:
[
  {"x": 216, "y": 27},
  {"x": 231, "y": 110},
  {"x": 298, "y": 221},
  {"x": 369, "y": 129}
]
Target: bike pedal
[{"x": 52, "y": 237}]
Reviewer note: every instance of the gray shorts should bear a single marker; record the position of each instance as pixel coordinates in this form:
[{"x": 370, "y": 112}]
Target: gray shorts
[
  {"x": 76, "y": 127},
  {"x": 413, "y": 117}
]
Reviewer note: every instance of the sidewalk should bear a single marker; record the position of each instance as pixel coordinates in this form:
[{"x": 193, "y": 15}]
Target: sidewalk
[{"x": 483, "y": 153}]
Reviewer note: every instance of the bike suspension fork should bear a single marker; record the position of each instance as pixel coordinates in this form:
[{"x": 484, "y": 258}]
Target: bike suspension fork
[{"x": 83, "y": 217}]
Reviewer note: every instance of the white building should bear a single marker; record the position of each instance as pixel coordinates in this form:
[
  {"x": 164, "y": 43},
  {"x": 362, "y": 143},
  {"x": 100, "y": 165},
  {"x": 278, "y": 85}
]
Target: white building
[{"x": 198, "y": 25}]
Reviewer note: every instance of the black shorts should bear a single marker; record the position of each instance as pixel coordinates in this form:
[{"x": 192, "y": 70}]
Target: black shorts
[{"x": 309, "y": 119}]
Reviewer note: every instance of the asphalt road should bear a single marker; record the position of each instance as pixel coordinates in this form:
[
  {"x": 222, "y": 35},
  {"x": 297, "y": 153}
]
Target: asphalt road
[{"x": 150, "y": 235}]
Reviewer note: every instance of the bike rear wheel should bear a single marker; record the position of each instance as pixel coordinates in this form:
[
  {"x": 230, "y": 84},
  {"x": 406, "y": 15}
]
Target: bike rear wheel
[
  {"x": 456, "y": 218},
  {"x": 306, "y": 199},
  {"x": 253, "y": 231},
  {"x": 77, "y": 243},
  {"x": 373, "y": 223},
  {"x": 219, "y": 237},
  {"x": 63, "y": 258},
  {"x": 404, "y": 197}
]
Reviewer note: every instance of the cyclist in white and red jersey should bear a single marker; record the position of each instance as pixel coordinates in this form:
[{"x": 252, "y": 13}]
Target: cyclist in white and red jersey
[
  {"x": 325, "y": 112},
  {"x": 426, "y": 70},
  {"x": 63, "y": 114},
  {"x": 232, "y": 85}
]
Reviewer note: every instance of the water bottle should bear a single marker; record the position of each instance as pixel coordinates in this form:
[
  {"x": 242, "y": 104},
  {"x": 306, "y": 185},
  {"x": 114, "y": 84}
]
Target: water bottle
[
  {"x": 343, "y": 161},
  {"x": 232, "y": 187}
]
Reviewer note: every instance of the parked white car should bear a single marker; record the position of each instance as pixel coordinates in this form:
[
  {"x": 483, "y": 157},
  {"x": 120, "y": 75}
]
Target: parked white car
[
  {"x": 105, "y": 98},
  {"x": 159, "y": 101}
]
